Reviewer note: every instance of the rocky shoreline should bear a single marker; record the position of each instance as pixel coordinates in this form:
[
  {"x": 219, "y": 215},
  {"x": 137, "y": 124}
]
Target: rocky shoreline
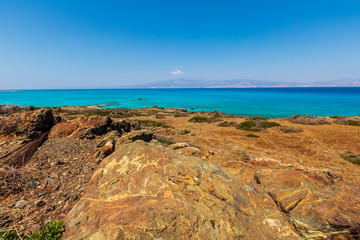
[{"x": 172, "y": 174}]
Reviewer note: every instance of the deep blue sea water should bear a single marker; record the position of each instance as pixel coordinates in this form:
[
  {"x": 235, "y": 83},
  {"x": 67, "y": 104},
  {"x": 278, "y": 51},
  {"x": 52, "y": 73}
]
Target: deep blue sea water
[{"x": 267, "y": 102}]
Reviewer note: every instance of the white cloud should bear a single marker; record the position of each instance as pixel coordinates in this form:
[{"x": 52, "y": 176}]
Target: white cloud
[{"x": 177, "y": 72}]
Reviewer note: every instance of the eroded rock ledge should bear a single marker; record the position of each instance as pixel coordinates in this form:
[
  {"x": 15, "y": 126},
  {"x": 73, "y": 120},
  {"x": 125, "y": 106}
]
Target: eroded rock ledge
[{"x": 145, "y": 191}]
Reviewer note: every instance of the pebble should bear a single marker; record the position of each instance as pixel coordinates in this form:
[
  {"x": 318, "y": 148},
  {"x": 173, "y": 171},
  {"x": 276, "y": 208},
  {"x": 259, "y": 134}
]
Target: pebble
[
  {"x": 40, "y": 203},
  {"x": 43, "y": 193},
  {"x": 54, "y": 175},
  {"x": 20, "y": 203}
]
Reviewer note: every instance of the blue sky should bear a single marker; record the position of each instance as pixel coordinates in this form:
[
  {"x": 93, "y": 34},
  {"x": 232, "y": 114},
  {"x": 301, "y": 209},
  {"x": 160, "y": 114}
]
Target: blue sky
[{"x": 90, "y": 44}]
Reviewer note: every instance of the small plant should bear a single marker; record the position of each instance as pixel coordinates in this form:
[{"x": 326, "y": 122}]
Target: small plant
[
  {"x": 153, "y": 124},
  {"x": 266, "y": 124},
  {"x": 156, "y": 124},
  {"x": 199, "y": 119},
  {"x": 184, "y": 132},
  {"x": 353, "y": 123},
  {"x": 256, "y": 125},
  {"x": 247, "y": 126},
  {"x": 51, "y": 231},
  {"x": 165, "y": 142},
  {"x": 73, "y": 112},
  {"x": 227, "y": 124},
  {"x": 353, "y": 158},
  {"x": 159, "y": 116},
  {"x": 259, "y": 118},
  {"x": 252, "y": 136}
]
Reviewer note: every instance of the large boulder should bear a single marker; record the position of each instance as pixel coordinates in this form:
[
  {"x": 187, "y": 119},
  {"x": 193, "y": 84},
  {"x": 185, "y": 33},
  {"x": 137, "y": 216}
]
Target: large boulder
[
  {"x": 146, "y": 191},
  {"x": 29, "y": 124},
  {"x": 87, "y": 128}
]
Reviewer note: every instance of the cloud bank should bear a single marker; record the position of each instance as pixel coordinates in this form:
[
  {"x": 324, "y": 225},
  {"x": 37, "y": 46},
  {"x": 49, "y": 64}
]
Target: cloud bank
[{"x": 177, "y": 72}]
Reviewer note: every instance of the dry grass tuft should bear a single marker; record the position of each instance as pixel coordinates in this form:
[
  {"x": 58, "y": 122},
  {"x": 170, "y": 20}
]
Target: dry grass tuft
[{"x": 13, "y": 180}]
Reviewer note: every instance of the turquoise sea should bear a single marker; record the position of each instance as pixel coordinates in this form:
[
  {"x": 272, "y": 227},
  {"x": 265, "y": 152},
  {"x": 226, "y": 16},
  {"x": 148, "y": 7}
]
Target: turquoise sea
[{"x": 267, "y": 102}]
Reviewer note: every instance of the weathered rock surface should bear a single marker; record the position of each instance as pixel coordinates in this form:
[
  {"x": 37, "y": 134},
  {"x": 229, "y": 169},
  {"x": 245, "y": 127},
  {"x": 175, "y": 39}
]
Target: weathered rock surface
[
  {"x": 41, "y": 120},
  {"x": 144, "y": 135},
  {"x": 179, "y": 145},
  {"x": 318, "y": 202},
  {"x": 145, "y": 191},
  {"x": 88, "y": 128},
  {"x": 29, "y": 124},
  {"x": 190, "y": 151}
]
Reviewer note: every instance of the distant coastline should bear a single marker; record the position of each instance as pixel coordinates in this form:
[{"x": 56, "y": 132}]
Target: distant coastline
[
  {"x": 267, "y": 102},
  {"x": 242, "y": 83}
]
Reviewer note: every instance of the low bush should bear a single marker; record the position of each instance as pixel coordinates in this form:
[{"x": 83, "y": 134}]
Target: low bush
[
  {"x": 247, "y": 126},
  {"x": 353, "y": 123},
  {"x": 199, "y": 119},
  {"x": 290, "y": 129},
  {"x": 165, "y": 142},
  {"x": 256, "y": 125},
  {"x": 353, "y": 158},
  {"x": 153, "y": 124},
  {"x": 53, "y": 230},
  {"x": 184, "y": 132},
  {"x": 259, "y": 118},
  {"x": 9, "y": 109},
  {"x": 227, "y": 124},
  {"x": 266, "y": 124},
  {"x": 13, "y": 180},
  {"x": 252, "y": 136},
  {"x": 159, "y": 116}
]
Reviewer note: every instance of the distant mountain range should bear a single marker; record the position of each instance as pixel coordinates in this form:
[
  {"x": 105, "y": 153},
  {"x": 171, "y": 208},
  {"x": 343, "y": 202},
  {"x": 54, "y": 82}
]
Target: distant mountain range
[{"x": 241, "y": 83}]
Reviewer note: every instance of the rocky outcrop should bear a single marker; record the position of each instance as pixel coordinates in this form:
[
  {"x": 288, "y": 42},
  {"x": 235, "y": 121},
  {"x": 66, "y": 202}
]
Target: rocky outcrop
[
  {"x": 29, "y": 124},
  {"x": 318, "y": 203},
  {"x": 133, "y": 136},
  {"x": 88, "y": 128},
  {"x": 146, "y": 191}
]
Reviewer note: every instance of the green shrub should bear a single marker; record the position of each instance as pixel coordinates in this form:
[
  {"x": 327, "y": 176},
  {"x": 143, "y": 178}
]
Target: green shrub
[
  {"x": 184, "y": 131},
  {"x": 247, "y": 126},
  {"x": 353, "y": 158},
  {"x": 252, "y": 136},
  {"x": 290, "y": 129},
  {"x": 75, "y": 112},
  {"x": 165, "y": 142},
  {"x": 227, "y": 124},
  {"x": 259, "y": 118},
  {"x": 51, "y": 231},
  {"x": 353, "y": 123},
  {"x": 154, "y": 124},
  {"x": 256, "y": 125},
  {"x": 266, "y": 124},
  {"x": 199, "y": 119}
]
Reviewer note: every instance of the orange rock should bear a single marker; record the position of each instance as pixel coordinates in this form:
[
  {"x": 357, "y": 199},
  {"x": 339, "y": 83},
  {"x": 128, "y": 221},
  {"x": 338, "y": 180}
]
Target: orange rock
[{"x": 145, "y": 191}]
